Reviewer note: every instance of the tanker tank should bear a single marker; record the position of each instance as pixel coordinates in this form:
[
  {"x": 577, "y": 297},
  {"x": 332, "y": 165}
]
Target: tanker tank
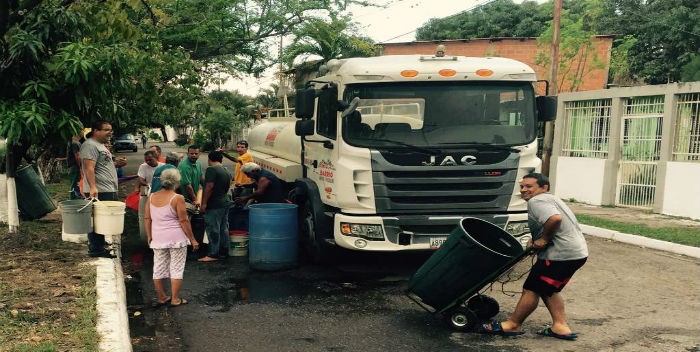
[{"x": 275, "y": 146}]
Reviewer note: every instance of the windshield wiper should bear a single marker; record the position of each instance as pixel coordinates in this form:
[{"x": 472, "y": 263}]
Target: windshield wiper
[
  {"x": 425, "y": 151},
  {"x": 487, "y": 146}
]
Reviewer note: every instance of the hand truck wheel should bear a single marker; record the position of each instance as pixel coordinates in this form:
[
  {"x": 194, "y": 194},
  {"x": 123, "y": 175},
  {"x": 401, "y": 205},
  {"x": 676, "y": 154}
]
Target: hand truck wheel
[{"x": 461, "y": 319}]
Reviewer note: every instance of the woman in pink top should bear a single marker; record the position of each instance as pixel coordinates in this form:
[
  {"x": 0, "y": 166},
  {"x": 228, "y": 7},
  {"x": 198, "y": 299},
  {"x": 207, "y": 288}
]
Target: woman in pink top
[{"x": 169, "y": 232}]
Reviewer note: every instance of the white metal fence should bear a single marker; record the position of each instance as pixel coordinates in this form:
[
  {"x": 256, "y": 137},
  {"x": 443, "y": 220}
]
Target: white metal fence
[
  {"x": 638, "y": 137},
  {"x": 642, "y": 122},
  {"x": 687, "y": 142}
]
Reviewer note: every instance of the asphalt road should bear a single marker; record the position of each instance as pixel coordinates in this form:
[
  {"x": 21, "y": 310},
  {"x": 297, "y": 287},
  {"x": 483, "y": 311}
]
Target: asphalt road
[{"x": 625, "y": 298}]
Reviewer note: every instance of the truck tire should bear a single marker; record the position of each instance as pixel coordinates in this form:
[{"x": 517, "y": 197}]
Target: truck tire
[{"x": 318, "y": 250}]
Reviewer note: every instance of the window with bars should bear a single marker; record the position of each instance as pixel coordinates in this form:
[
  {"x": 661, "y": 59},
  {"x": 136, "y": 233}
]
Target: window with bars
[
  {"x": 687, "y": 137},
  {"x": 587, "y": 130}
]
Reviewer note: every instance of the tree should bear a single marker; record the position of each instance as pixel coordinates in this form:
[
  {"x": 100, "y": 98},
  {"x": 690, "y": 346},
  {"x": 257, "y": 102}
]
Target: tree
[
  {"x": 227, "y": 113},
  {"x": 66, "y": 64},
  {"x": 234, "y": 36},
  {"x": 500, "y": 18},
  {"x": 577, "y": 56},
  {"x": 691, "y": 71},
  {"x": 329, "y": 39}
]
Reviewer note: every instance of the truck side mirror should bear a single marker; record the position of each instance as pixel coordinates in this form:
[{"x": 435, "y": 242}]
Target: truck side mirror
[
  {"x": 304, "y": 127},
  {"x": 304, "y": 103},
  {"x": 546, "y": 108}
]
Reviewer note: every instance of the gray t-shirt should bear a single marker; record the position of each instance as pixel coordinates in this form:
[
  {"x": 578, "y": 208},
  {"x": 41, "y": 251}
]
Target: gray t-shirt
[
  {"x": 568, "y": 242},
  {"x": 105, "y": 172}
]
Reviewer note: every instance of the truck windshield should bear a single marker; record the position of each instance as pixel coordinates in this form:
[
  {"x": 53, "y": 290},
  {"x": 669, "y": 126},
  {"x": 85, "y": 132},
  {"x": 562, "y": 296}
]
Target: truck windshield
[{"x": 440, "y": 114}]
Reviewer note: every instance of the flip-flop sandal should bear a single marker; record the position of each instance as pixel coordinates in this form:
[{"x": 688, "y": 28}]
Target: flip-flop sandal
[
  {"x": 549, "y": 333},
  {"x": 182, "y": 302},
  {"x": 158, "y": 304},
  {"x": 495, "y": 328}
]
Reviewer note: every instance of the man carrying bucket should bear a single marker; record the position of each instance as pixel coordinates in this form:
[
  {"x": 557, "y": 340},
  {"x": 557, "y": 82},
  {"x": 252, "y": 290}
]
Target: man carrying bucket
[
  {"x": 562, "y": 250},
  {"x": 100, "y": 178}
]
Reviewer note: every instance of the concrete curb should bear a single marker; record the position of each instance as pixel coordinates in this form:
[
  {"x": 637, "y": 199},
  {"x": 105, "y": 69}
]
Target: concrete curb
[
  {"x": 641, "y": 241},
  {"x": 112, "y": 316}
]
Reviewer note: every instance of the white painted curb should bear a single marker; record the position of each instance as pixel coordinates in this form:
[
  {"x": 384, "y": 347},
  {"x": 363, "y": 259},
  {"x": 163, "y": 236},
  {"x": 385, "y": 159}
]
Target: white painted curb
[
  {"x": 641, "y": 241},
  {"x": 112, "y": 316}
]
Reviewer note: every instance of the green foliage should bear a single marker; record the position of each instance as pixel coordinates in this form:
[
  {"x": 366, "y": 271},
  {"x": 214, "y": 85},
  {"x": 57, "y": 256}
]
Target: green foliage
[
  {"x": 203, "y": 138},
  {"x": 227, "y": 113},
  {"x": 182, "y": 140},
  {"x": 235, "y": 36},
  {"x": 154, "y": 136},
  {"x": 500, "y": 18},
  {"x": 691, "y": 71},
  {"x": 328, "y": 39},
  {"x": 577, "y": 56}
]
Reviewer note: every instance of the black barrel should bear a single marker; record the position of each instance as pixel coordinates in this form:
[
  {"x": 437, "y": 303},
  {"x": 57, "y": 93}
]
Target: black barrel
[
  {"x": 466, "y": 262},
  {"x": 33, "y": 199}
]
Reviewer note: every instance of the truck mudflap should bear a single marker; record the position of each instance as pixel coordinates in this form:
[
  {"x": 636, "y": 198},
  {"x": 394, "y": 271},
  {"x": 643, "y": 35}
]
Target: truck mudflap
[{"x": 408, "y": 233}]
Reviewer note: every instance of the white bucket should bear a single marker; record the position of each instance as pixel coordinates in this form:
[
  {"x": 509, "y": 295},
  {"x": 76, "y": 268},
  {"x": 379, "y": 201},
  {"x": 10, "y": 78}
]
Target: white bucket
[
  {"x": 239, "y": 243},
  {"x": 109, "y": 217}
]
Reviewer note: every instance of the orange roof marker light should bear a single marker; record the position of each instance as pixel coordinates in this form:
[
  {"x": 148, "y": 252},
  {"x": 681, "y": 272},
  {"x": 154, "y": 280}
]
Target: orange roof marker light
[
  {"x": 446, "y": 72},
  {"x": 409, "y": 73},
  {"x": 484, "y": 72}
]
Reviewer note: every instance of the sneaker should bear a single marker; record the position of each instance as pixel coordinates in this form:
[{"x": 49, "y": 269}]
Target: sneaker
[{"x": 102, "y": 255}]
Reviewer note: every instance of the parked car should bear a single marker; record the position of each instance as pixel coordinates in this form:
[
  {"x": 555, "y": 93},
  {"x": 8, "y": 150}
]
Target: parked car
[{"x": 125, "y": 142}]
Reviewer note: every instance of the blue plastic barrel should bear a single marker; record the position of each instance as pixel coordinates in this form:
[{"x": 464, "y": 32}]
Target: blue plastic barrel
[{"x": 273, "y": 238}]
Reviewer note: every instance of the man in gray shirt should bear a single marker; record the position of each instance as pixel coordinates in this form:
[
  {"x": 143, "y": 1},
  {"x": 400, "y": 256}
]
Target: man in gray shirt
[
  {"x": 562, "y": 250},
  {"x": 100, "y": 177}
]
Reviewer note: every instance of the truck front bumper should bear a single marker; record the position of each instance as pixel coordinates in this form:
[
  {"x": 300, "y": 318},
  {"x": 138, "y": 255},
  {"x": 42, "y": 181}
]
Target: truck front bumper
[{"x": 413, "y": 232}]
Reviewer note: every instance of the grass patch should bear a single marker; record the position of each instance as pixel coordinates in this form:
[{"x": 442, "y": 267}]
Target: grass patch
[
  {"x": 47, "y": 289},
  {"x": 689, "y": 236}
]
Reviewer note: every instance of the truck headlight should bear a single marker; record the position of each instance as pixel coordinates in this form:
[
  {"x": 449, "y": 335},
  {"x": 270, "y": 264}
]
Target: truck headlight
[{"x": 372, "y": 232}]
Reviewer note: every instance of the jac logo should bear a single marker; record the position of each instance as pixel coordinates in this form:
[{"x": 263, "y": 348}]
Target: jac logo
[{"x": 450, "y": 161}]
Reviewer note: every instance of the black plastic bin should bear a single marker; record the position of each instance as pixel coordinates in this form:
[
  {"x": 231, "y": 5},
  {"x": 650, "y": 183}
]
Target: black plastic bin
[
  {"x": 475, "y": 254},
  {"x": 33, "y": 199}
]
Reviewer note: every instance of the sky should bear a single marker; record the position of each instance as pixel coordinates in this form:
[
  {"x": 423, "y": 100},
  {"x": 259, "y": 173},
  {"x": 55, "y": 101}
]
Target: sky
[{"x": 396, "y": 22}]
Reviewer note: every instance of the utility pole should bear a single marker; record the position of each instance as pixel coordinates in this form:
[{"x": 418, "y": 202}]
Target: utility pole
[{"x": 548, "y": 141}]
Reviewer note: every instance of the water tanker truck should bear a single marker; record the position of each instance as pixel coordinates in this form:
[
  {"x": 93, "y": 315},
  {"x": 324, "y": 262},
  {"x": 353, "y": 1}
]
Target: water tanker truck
[{"x": 388, "y": 153}]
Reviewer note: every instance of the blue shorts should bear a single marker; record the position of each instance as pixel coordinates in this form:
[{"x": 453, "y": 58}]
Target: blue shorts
[{"x": 548, "y": 276}]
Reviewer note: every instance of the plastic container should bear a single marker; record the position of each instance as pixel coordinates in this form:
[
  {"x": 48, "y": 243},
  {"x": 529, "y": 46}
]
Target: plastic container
[
  {"x": 76, "y": 215},
  {"x": 239, "y": 243},
  {"x": 474, "y": 252},
  {"x": 143, "y": 200},
  {"x": 273, "y": 236},
  {"x": 109, "y": 217},
  {"x": 33, "y": 200}
]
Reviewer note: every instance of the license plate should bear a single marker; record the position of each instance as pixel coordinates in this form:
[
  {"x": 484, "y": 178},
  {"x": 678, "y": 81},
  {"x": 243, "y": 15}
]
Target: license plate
[{"x": 436, "y": 242}]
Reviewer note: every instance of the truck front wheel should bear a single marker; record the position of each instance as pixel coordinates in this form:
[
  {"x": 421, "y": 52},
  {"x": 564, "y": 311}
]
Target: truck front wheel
[{"x": 313, "y": 243}]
